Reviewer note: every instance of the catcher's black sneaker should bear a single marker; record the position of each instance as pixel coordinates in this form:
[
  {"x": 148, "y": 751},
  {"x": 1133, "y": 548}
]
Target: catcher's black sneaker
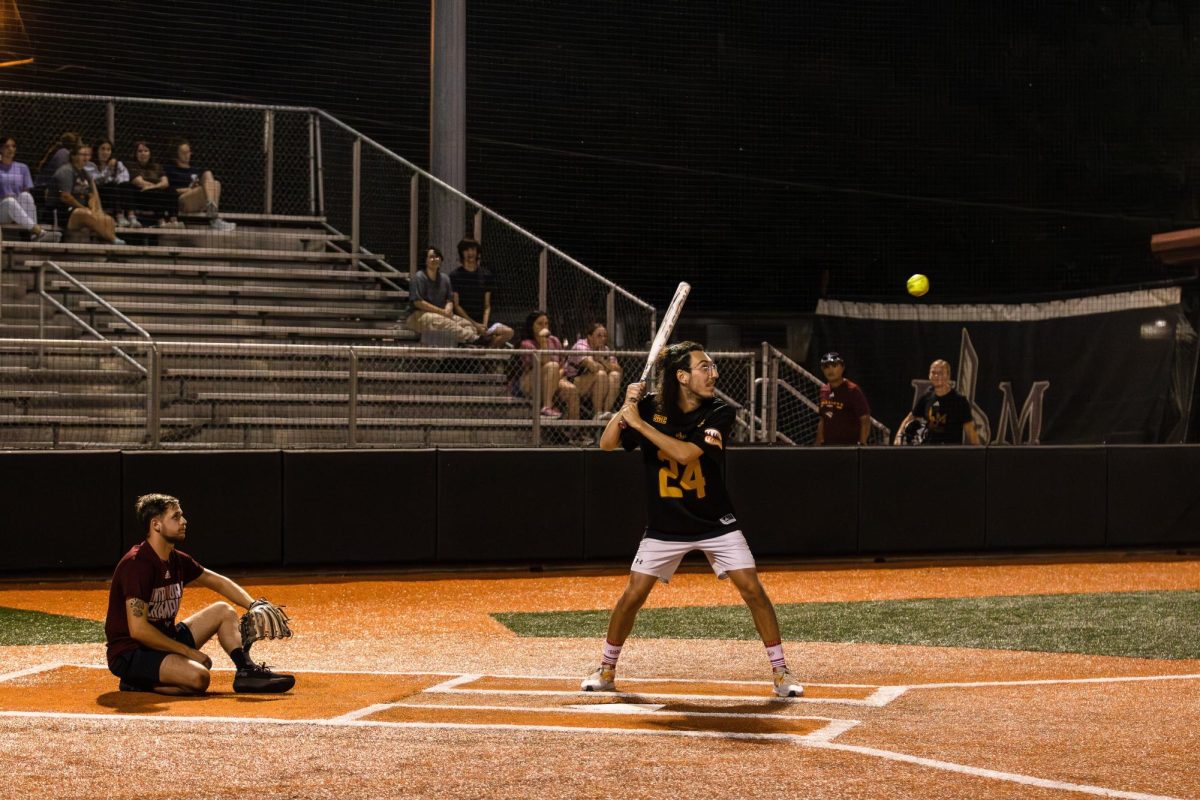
[
  {"x": 259, "y": 679},
  {"x": 135, "y": 686}
]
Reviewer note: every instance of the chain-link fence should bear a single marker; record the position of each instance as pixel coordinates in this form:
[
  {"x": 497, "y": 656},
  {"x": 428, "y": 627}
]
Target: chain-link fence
[
  {"x": 133, "y": 394},
  {"x": 296, "y": 179},
  {"x": 791, "y": 403}
]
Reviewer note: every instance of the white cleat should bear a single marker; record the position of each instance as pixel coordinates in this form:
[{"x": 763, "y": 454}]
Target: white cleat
[
  {"x": 786, "y": 684},
  {"x": 603, "y": 679}
]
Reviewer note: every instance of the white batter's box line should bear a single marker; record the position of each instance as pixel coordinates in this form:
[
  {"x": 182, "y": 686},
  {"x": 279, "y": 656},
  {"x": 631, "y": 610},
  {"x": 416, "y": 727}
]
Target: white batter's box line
[
  {"x": 1052, "y": 681},
  {"x": 365, "y": 723},
  {"x": 602, "y": 708},
  {"x": 453, "y": 682},
  {"x": 34, "y": 670},
  {"x": 359, "y": 713},
  {"x": 980, "y": 772},
  {"x": 765, "y": 697},
  {"x": 884, "y": 695}
]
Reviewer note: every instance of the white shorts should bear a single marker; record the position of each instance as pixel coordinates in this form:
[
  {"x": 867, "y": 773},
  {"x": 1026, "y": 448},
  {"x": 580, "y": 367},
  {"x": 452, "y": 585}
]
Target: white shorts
[{"x": 661, "y": 558}]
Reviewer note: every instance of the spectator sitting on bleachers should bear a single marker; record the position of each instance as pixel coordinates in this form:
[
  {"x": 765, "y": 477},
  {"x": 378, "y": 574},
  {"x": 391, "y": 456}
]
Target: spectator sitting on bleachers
[
  {"x": 596, "y": 370},
  {"x": 198, "y": 190},
  {"x": 77, "y": 195},
  {"x": 535, "y": 335},
  {"x": 56, "y": 155},
  {"x": 431, "y": 299},
  {"x": 112, "y": 180},
  {"x": 473, "y": 295},
  {"x": 154, "y": 193},
  {"x": 16, "y": 203}
]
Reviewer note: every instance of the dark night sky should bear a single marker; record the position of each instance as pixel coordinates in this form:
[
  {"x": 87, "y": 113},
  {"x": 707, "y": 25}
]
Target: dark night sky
[{"x": 754, "y": 149}]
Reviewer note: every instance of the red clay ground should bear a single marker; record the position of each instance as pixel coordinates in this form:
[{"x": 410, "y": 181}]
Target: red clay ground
[{"x": 1130, "y": 738}]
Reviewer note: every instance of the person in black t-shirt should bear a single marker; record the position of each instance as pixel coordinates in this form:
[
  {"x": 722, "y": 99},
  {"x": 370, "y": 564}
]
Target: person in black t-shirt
[
  {"x": 682, "y": 432},
  {"x": 147, "y": 649},
  {"x": 942, "y": 414},
  {"x": 473, "y": 286}
]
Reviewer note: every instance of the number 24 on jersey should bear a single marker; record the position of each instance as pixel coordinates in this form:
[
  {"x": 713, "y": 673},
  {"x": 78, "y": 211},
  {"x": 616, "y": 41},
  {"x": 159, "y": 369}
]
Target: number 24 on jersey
[{"x": 692, "y": 479}]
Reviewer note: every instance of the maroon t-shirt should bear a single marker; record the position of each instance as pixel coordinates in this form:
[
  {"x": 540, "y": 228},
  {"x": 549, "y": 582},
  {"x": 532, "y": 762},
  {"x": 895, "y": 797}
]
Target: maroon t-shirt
[
  {"x": 142, "y": 574},
  {"x": 841, "y": 410}
]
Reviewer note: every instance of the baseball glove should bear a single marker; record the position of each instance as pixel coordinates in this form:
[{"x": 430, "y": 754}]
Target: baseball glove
[{"x": 264, "y": 620}]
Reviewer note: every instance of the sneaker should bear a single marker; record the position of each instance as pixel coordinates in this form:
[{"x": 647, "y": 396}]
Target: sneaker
[
  {"x": 786, "y": 684},
  {"x": 134, "y": 222},
  {"x": 134, "y": 686},
  {"x": 602, "y": 679},
  {"x": 48, "y": 237},
  {"x": 551, "y": 412},
  {"x": 117, "y": 240},
  {"x": 122, "y": 222},
  {"x": 259, "y": 679},
  {"x": 218, "y": 224}
]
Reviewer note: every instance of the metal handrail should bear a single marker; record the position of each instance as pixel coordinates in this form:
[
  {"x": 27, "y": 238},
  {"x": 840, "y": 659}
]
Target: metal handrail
[
  {"x": 315, "y": 143},
  {"x": 46, "y": 296},
  {"x": 498, "y": 217}
]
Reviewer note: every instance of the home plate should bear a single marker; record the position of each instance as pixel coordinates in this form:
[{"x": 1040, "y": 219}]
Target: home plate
[{"x": 618, "y": 708}]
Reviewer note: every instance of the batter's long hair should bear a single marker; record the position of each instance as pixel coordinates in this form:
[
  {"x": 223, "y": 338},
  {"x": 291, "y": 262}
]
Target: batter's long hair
[{"x": 676, "y": 357}]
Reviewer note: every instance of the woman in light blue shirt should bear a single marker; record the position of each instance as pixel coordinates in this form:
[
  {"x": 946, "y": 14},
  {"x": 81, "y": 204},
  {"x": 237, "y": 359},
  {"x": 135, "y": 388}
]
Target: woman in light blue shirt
[{"x": 16, "y": 203}]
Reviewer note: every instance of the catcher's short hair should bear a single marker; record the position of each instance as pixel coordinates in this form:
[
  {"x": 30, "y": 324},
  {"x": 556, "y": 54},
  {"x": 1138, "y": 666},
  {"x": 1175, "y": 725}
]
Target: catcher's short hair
[{"x": 149, "y": 506}]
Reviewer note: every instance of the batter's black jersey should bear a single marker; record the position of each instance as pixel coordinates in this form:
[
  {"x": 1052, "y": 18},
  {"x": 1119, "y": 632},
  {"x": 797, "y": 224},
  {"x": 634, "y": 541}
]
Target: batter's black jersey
[{"x": 686, "y": 502}]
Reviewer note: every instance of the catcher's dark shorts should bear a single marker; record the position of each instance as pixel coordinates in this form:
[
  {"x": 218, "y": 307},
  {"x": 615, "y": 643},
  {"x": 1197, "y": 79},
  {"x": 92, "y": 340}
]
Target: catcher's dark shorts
[{"x": 140, "y": 667}]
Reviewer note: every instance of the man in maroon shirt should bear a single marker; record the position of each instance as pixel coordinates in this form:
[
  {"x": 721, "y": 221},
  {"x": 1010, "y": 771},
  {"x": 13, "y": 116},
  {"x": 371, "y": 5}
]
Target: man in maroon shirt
[
  {"x": 147, "y": 650},
  {"x": 845, "y": 414}
]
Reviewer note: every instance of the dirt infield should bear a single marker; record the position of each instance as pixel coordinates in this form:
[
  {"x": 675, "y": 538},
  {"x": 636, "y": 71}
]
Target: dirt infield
[{"x": 408, "y": 688}]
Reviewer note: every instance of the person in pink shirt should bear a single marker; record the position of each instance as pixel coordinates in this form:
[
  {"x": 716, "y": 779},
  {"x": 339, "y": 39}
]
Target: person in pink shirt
[
  {"x": 536, "y": 336},
  {"x": 595, "y": 370}
]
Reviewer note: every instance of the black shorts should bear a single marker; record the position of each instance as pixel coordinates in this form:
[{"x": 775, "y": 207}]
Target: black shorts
[{"x": 140, "y": 666}]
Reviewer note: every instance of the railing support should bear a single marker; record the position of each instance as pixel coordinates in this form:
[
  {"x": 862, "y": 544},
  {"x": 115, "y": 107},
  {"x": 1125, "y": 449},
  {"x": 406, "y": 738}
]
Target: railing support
[
  {"x": 268, "y": 160},
  {"x": 414, "y": 221},
  {"x": 543, "y": 269},
  {"x": 352, "y": 432},
  {"x": 355, "y": 199},
  {"x": 153, "y": 396}
]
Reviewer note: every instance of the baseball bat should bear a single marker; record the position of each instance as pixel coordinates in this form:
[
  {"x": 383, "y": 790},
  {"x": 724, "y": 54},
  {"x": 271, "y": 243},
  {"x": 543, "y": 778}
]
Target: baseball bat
[{"x": 666, "y": 326}]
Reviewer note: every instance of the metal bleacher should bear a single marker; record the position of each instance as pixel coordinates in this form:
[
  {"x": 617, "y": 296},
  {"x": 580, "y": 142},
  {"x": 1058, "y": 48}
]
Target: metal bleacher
[{"x": 285, "y": 332}]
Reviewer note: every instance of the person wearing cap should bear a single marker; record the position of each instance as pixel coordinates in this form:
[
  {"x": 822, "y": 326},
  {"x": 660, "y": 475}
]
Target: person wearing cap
[{"x": 845, "y": 416}]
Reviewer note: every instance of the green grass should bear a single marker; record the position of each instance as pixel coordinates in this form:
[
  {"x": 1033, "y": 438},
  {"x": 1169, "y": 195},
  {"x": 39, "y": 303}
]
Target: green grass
[
  {"x": 18, "y": 627},
  {"x": 1139, "y": 624}
]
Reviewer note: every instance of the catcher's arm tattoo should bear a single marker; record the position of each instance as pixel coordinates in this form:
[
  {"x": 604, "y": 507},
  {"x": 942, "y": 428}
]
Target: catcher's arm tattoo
[{"x": 137, "y": 606}]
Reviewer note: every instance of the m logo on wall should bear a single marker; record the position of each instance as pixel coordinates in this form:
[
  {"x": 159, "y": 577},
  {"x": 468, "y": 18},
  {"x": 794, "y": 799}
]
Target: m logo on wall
[{"x": 1122, "y": 365}]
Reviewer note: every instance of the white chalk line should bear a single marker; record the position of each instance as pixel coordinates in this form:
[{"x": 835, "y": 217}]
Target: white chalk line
[{"x": 820, "y": 739}]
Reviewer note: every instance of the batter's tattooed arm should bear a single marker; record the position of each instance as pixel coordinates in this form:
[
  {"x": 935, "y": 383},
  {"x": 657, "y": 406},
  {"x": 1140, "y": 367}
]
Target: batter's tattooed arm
[{"x": 137, "y": 606}]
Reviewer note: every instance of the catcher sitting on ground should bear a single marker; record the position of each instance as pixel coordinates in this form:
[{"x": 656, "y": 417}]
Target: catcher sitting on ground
[{"x": 147, "y": 650}]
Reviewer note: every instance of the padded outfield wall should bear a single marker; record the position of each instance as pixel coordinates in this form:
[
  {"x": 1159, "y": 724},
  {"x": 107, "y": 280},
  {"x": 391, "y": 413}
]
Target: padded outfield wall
[{"x": 73, "y": 511}]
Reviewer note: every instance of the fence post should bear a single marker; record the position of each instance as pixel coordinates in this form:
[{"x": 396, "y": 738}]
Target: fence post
[
  {"x": 110, "y": 120},
  {"x": 153, "y": 394},
  {"x": 269, "y": 165},
  {"x": 320, "y": 168},
  {"x": 751, "y": 392},
  {"x": 353, "y": 400},
  {"x": 414, "y": 220},
  {"x": 543, "y": 267},
  {"x": 312, "y": 164},
  {"x": 355, "y": 200},
  {"x": 610, "y": 314},
  {"x": 477, "y": 227},
  {"x": 535, "y": 397},
  {"x": 772, "y": 397}
]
